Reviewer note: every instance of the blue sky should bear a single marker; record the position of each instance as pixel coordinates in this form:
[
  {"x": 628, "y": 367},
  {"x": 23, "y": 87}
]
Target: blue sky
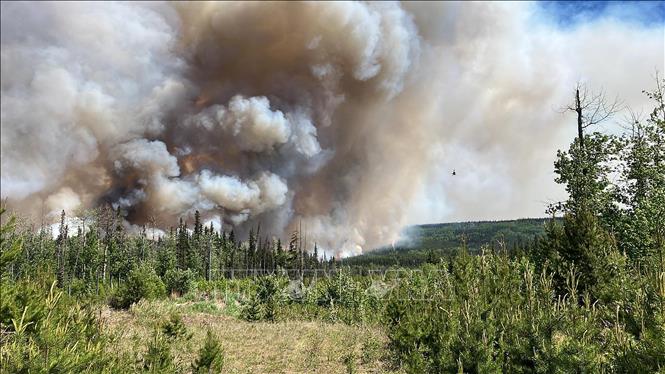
[{"x": 568, "y": 14}]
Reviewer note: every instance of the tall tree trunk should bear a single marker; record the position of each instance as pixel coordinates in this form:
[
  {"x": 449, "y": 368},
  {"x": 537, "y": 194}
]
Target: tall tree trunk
[
  {"x": 580, "y": 127},
  {"x": 209, "y": 262}
]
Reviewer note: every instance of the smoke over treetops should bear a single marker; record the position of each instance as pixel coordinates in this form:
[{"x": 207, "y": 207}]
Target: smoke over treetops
[{"x": 347, "y": 117}]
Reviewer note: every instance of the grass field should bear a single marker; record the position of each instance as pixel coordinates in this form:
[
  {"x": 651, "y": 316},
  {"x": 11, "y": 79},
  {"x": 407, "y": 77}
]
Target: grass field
[{"x": 252, "y": 347}]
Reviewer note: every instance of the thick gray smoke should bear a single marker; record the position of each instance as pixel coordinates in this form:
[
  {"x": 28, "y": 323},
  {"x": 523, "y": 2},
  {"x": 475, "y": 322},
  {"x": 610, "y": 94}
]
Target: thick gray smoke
[{"x": 345, "y": 118}]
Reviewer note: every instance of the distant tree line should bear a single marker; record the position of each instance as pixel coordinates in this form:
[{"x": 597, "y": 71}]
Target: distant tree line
[{"x": 102, "y": 252}]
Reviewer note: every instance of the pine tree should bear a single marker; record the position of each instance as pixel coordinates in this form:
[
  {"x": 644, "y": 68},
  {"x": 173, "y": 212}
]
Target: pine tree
[
  {"x": 294, "y": 251},
  {"x": 222, "y": 252},
  {"x": 251, "y": 250},
  {"x": 431, "y": 257},
  {"x": 316, "y": 252},
  {"x": 257, "y": 248},
  {"x": 232, "y": 252},
  {"x": 197, "y": 255},
  {"x": 584, "y": 169},
  {"x": 61, "y": 243},
  {"x": 182, "y": 245},
  {"x": 209, "y": 257},
  {"x": 107, "y": 217},
  {"x": 211, "y": 356},
  {"x": 198, "y": 226},
  {"x": 278, "y": 255},
  {"x": 120, "y": 254},
  {"x": 158, "y": 358}
]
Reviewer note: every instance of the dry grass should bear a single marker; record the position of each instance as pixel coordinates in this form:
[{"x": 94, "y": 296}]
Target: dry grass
[{"x": 257, "y": 347}]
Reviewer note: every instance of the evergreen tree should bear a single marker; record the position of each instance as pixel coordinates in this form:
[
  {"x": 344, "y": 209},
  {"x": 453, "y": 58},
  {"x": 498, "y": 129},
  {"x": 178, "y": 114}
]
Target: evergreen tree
[
  {"x": 316, "y": 257},
  {"x": 279, "y": 257},
  {"x": 232, "y": 252},
  {"x": 211, "y": 356},
  {"x": 167, "y": 255},
  {"x": 61, "y": 243},
  {"x": 251, "y": 250},
  {"x": 294, "y": 252},
  {"x": 198, "y": 226},
  {"x": 182, "y": 245},
  {"x": 222, "y": 252}
]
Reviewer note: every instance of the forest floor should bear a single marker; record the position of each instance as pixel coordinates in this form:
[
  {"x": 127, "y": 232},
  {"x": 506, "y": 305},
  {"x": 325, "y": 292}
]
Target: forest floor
[{"x": 251, "y": 347}]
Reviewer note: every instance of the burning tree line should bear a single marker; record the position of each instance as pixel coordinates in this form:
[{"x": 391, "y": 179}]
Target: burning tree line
[{"x": 102, "y": 251}]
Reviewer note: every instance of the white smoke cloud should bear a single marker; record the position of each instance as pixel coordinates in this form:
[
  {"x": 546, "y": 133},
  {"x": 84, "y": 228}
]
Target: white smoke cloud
[
  {"x": 248, "y": 120},
  {"x": 267, "y": 192},
  {"x": 149, "y": 157},
  {"x": 173, "y": 196},
  {"x": 65, "y": 199}
]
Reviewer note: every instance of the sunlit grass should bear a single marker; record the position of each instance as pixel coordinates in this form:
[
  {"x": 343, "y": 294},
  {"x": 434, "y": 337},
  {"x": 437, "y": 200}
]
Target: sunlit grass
[{"x": 293, "y": 346}]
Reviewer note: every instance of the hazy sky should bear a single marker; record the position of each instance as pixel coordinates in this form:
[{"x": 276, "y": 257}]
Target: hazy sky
[
  {"x": 534, "y": 54},
  {"x": 347, "y": 117}
]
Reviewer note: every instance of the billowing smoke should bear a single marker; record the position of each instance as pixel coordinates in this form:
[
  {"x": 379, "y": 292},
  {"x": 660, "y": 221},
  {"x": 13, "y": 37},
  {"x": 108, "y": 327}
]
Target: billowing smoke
[{"x": 342, "y": 118}]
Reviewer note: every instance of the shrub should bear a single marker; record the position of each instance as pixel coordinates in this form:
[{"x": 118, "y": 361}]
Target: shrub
[
  {"x": 263, "y": 303},
  {"x": 211, "y": 356},
  {"x": 341, "y": 289},
  {"x": 371, "y": 351},
  {"x": 179, "y": 281},
  {"x": 490, "y": 313},
  {"x": 158, "y": 358},
  {"x": 205, "y": 307},
  {"x": 346, "y": 298},
  {"x": 270, "y": 293},
  {"x": 251, "y": 309},
  {"x": 174, "y": 328},
  {"x": 48, "y": 332},
  {"x": 142, "y": 283}
]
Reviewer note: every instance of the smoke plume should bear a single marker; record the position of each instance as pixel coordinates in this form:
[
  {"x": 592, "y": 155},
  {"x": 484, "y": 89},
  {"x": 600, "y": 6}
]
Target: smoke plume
[{"x": 343, "y": 118}]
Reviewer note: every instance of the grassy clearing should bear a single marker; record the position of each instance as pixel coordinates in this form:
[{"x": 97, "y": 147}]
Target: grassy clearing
[{"x": 256, "y": 347}]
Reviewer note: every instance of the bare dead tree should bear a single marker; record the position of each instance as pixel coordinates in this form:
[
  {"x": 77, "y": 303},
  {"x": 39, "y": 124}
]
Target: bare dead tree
[
  {"x": 591, "y": 109},
  {"x": 152, "y": 225}
]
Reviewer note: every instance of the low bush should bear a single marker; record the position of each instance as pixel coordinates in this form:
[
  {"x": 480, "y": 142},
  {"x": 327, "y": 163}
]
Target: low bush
[
  {"x": 158, "y": 358},
  {"x": 206, "y": 307},
  {"x": 211, "y": 356},
  {"x": 142, "y": 283},
  {"x": 490, "y": 313},
  {"x": 44, "y": 330},
  {"x": 264, "y": 300},
  {"x": 179, "y": 281},
  {"x": 175, "y": 329}
]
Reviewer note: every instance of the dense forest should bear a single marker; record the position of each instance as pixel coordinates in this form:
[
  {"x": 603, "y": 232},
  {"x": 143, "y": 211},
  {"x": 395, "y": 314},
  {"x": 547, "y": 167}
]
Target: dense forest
[
  {"x": 588, "y": 295},
  {"x": 428, "y": 243}
]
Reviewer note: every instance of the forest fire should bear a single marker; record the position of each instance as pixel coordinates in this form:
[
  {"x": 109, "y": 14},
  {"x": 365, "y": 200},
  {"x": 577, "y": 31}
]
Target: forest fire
[
  {"x": 332, "y": 187},
  {"x": 335, "y": 114}
]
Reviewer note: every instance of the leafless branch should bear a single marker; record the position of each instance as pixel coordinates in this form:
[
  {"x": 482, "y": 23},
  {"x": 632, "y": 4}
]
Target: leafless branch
[
  {"x": 595, "y": 107},
  {"x": 630, "y": 121}
]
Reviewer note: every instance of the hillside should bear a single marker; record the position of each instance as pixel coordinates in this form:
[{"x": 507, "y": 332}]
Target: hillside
[{"x": 443, "y": 239}]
